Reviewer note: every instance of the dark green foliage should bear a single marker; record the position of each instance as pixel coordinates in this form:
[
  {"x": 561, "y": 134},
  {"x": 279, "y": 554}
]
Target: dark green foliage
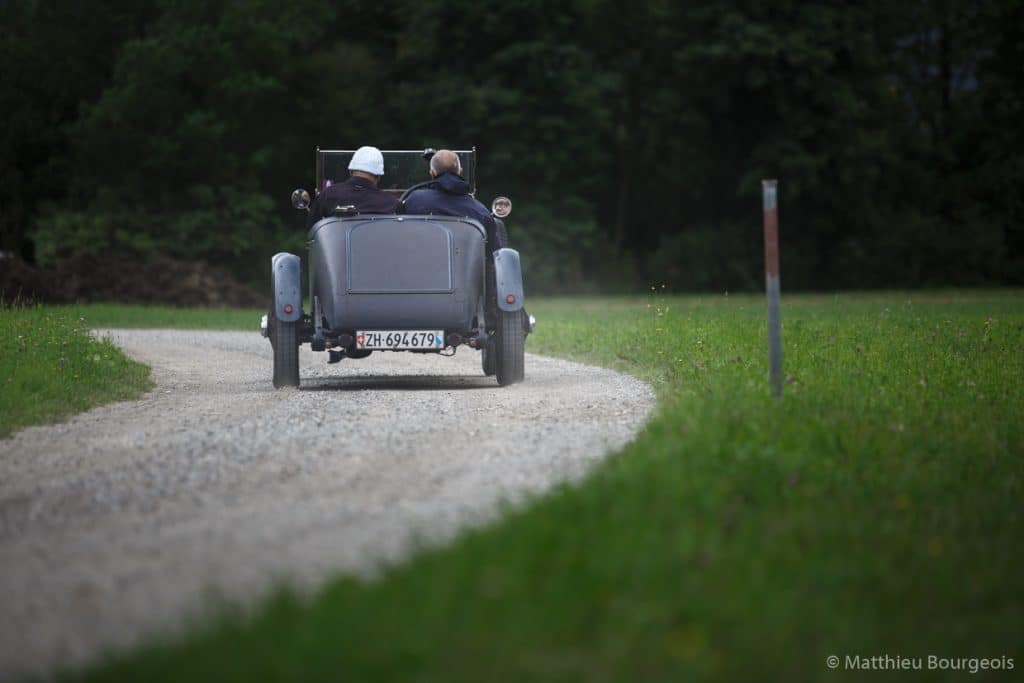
[
  {"x": 181, "y": 145},
  {"x": 56, "y": 57},
  {"x": 632, "y": 137}
]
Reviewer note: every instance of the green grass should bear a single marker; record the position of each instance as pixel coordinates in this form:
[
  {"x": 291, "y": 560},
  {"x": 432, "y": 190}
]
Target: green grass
[
  {"x": 105, "y": 316},
  {"x": 50, "y": 368},
  {"x": 875, "y": 509}
]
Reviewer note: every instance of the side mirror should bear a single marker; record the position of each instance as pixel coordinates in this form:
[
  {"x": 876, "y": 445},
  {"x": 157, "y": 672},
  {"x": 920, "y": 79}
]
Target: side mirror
[
  {"x": 300, "y": 200},
  {"x": 501, "y": 206}
]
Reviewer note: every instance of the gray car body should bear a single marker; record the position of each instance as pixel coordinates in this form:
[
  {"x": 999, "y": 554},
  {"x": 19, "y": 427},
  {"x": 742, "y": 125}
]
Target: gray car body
[{"x": 371, "y": 272}]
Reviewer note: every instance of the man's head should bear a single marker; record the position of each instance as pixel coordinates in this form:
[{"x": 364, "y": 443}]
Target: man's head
[
  {"x": 445, "y": 161},
  {"x": 367, "y": 162}
]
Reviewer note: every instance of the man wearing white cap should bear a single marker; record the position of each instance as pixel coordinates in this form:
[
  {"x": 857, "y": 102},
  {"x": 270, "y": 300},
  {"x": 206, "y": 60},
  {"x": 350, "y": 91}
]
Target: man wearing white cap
[{"x": 360, "y": 190}]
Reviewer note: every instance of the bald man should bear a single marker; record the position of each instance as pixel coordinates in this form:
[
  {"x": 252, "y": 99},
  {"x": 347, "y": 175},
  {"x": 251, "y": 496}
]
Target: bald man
[{"x": 448, "y": 195}]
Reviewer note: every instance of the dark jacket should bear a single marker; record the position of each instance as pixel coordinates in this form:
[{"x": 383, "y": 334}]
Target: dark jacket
[
  {"x": 358, "y": 192},
  {"x": 449, "y": 195}
]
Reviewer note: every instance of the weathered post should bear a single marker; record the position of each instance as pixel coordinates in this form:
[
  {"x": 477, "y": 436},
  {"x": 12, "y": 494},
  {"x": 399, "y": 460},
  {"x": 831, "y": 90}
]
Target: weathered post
[{"x": 771, "y": 281}]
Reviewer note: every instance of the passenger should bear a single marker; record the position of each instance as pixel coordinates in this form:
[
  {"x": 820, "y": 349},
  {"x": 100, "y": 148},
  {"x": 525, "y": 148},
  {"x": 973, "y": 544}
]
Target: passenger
[
  {"x": 360, "y": 190},
  {"x": 448, "y": 195}
]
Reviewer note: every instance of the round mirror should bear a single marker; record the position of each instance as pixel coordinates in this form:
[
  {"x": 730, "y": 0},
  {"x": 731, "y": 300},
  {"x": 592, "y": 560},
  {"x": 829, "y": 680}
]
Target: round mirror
[
  {"x": 300, "y": 200},
  {"x": 501, "y": 206}
]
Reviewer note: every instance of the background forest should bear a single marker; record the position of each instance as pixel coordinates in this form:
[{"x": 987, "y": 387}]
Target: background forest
[{"x": 631, "y": 137}]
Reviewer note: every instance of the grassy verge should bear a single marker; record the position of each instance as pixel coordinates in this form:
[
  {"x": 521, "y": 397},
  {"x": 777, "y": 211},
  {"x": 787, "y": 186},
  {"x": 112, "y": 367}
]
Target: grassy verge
[
  {"x": 50, "y": 367},
  {"x": 875, "y": 510},
  {"x": 105, "y": 316}
]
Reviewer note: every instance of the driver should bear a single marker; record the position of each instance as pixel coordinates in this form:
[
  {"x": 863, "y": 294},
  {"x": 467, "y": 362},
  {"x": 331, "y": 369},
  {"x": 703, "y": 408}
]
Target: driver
[
  {"x": 360, "y": 190},
  {"x": 448, "y": 195}
]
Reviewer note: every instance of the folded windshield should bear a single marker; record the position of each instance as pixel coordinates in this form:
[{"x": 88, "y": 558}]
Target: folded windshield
[{"x": 402, "y": 168}]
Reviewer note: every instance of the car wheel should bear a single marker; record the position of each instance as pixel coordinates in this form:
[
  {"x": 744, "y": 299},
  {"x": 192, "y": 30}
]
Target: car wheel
[
  {"x": 284, "y": 338},
  {"x": 487, "y": 357},
  {"x": 511, "y": 352}
]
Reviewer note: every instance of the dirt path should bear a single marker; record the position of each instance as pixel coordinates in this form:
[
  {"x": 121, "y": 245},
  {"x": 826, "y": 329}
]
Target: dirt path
[{"x": 125, "y": 521}]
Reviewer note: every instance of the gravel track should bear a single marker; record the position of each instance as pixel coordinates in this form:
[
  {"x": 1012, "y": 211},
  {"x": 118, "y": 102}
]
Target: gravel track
[{"x": 133, "y": 519}]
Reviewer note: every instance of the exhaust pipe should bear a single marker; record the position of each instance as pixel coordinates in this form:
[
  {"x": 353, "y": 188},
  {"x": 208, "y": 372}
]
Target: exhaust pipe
[{"x": 479, "y": 341}]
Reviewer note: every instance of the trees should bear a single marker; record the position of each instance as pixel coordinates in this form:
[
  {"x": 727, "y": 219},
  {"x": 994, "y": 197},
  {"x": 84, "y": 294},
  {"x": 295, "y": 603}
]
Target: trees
[
  {"x": 55, "y": 56},
  {"x": 627, "y": 134},
  {"x": 182, "y": 144}
]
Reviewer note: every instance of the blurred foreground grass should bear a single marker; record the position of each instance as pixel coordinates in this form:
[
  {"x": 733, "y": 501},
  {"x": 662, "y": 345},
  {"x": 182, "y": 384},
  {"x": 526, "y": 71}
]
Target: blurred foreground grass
[
  {"x": 875, "y": 509},
  {"x": 51, "y": 367}
]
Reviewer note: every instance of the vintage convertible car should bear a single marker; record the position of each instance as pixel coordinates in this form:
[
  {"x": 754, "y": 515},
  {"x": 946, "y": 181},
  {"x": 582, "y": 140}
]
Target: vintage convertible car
[{"x": 423, "y": 284}]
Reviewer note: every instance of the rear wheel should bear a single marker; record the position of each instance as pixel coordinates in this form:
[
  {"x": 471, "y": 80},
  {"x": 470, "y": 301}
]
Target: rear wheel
[
  {"x": 489, "y": 354},
  {"x": 487, "y": 357},
  {"x": 284, "y": 338},
  {"x": 511, "y": 352}
]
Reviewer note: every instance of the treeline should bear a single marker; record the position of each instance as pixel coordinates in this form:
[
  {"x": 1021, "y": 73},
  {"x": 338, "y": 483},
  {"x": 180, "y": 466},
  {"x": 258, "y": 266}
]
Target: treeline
[{"x": 632, "y": 137}]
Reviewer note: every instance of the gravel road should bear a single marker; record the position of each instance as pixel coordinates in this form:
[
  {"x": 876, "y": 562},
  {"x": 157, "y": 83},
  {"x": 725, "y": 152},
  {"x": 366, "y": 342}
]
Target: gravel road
[{"x": 133, "y": 519}]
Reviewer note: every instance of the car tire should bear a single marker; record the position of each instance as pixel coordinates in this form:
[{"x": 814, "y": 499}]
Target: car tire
[
  {"x": 284, "y": 338},
  {"x": 489, "y": 353},
  {"x": 511, "y": 348},
  {"x": 487, "y": 357}
]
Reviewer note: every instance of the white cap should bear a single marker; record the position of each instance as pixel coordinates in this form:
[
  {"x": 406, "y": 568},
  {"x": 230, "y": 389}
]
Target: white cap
[{"x": 367, "y": 159}]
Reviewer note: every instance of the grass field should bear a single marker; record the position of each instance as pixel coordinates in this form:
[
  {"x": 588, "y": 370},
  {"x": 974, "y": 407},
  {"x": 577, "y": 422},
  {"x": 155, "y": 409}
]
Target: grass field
[
  {"x": 875, "y": 509},
  {"x": 105, "y": 316},
  {"x": 50, "y": 367}
]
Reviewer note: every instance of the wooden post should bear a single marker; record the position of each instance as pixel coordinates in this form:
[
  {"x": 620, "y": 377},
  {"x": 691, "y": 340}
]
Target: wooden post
[{"x": 771, "y": 280}]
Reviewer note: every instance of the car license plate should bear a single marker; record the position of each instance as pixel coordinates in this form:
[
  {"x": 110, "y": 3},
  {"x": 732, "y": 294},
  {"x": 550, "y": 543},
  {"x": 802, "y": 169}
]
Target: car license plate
[{"x": 400, "y": 339}]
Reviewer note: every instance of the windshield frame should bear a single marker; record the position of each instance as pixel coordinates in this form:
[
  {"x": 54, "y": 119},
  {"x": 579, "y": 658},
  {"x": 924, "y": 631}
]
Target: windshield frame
[{"x": 468, "y": 168}]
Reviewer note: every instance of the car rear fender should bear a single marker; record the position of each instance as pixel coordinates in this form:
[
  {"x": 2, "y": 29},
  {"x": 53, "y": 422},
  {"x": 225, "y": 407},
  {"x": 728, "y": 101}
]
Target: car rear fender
[
  {"x": 286, "y": 274},
  {"x": 509, "y": 277}
]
